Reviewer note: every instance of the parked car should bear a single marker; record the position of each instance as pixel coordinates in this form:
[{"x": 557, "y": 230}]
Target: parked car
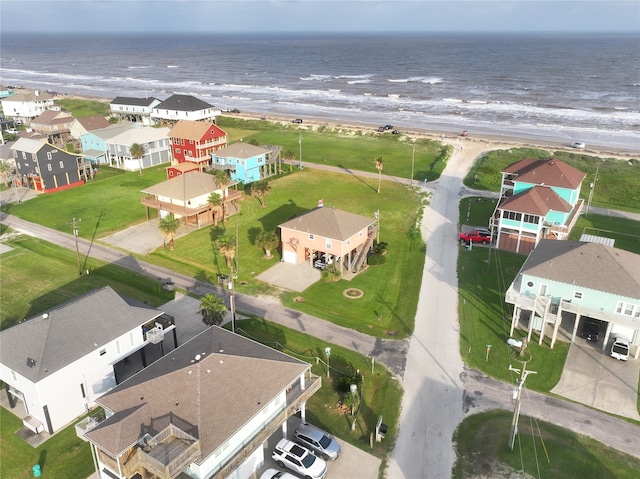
[
  {"x": 590, "y": 330},
  {"x": 395, "y": 132},
  {"x": 620, "y": 349},
  {"x": 381, "y": 129},
  {"x": 297, "y": 120},
  {"x": 475, "y": 236},
  {"x": 388, "y": 127},
  {"x": 12, "y": 131},
  {"x": 321, "y": 443},
  {"x": 578, "y": 144},
  {"x": 299, "y": 459},
  {"x": 464, "y": 133},
  {"x": 272, "y": 473}
]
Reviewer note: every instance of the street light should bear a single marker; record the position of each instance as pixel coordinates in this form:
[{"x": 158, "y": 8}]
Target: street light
[
  {"x": 76, "y": 230},
  {"x": 300, "y": 142},
  {"x": 327, "y": 352}
]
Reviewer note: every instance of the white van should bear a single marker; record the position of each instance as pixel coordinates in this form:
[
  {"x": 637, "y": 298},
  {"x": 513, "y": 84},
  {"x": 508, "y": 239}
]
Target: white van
[{"x": 620, "y": 349}]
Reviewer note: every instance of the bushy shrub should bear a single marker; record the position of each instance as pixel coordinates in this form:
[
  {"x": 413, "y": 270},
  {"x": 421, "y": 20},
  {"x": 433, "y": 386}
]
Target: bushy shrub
[
  {"x": 375, "y": 259},
  {"x": 351, "y": 376},
  {"x": 330, "y": 274}
]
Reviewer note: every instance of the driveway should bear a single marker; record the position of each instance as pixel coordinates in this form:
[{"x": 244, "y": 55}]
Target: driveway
[
  {"x": 295, "y": 277},
  {"x": 592, "y": 377},
  {"x": 141, "y": 238}
]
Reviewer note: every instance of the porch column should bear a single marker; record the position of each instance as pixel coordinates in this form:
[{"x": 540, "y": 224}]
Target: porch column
[
  {"x": 515, "y": 320},
  {"x": 303, "y": 412},
  {"x": 12, "y": 401},
  {"x": 606, "y": 335},
  {"x": 575, "y": 327},
  {"x": 143, "y": 356},
  {"x": 556, "y": 325},
  {"x": 175, "y": 339},
  {"x": 284, "y": 430},
  {"x": 531, "y": 319}
]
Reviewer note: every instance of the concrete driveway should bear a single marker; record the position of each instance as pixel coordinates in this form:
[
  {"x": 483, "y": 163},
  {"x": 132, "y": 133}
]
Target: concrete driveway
[
  {"x": 295, "y": 277},
  {"x": 141, "y": 238},
  {"x": 592, "y": 377}
]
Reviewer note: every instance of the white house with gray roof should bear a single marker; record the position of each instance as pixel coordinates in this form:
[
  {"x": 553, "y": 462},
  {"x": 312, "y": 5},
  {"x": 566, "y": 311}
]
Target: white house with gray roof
[
  {"x": 137, "y": 110},
  {"x": 204, "y": 411},
  {"x": 573, "y": 280},
  {"x": 155, "y": 141},
  {"x": 183, "y": 107},
  {"x": 61, "y": 361}
]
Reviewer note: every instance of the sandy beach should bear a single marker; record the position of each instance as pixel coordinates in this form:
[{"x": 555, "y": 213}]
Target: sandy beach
[{"x": 471, "y": 143}]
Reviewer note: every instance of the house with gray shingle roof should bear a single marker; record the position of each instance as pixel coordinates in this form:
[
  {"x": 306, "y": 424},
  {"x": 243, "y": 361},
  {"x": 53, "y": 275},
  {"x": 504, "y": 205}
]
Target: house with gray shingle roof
[
  {"x": 325, "y": 236},
  {"x": 83, "y": 125},
  {"x": 572, "y": 280},
  {"x": 538, "y": 199},
  {"x": 195, "y": 141},
  {"x": 205, "y": 410},
  {"x": 61, "y": 361},
  {"x": 154, "y": 141},
  {"x": 186, "y": 197},
  {"x": 244, "y": 162},
  {"x": 24, "y": 106},
  {"x": 133, "y": 109},
  {"x": 183, "y": 107}
]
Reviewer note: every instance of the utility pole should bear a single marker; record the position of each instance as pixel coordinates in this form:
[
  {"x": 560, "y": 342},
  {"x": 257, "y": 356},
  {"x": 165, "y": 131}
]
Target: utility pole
[
  {"x": 300, "y": 142},
  {"x": 232, "y": 299},
  {"x": 76, "y": 230},
  {"x": 517, "y": 393},
  {"x": 15, "y": 187},
  {"x": 592, "y": 186},
  {"x": 413, "y": 159}
]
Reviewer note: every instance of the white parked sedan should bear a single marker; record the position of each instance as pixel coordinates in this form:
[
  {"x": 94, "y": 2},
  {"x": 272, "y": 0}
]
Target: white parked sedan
[
  {"x": 299, "y": 459},
  {"x": 578, "y": 144},
  {"x": 275, "y": 474}
]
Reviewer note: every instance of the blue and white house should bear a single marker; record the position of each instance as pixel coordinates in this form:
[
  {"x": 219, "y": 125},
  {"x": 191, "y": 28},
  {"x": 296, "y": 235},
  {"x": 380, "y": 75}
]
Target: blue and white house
[
  {"x": 572, "y": 280},
  {"x": 94, "y": 143},
  {"x": 245, "y": 162},
  {"x": 538, "y": 199}
]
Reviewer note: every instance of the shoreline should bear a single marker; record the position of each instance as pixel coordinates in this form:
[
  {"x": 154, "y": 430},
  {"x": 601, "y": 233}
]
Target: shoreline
[{"x": 492, "y": 141}]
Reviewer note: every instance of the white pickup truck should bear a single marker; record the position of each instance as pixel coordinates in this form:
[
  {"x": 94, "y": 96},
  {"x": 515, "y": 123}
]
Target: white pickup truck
[{"x": 620, "y": 349}]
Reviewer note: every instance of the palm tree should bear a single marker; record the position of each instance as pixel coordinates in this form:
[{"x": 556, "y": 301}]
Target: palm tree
[
  {"x": 227, "y": 245},
  {"x": 212, "y": 310},
  {"x": 379, "y": 167},
  {"x": 267, "y": 240},
  {"x": 259, "y": 189},
  {"x": 215, "y": 200},
  {"x": 5, "y": 171},
  {"x": 168, "y": 227},
  {"x": 289, "y": 156},
  {"x": 137, "y": 152},
  {"x": 223, "y": 180}
]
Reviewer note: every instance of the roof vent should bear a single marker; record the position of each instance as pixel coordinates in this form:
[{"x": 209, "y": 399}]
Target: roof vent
[{"x": 31, "y": 362}]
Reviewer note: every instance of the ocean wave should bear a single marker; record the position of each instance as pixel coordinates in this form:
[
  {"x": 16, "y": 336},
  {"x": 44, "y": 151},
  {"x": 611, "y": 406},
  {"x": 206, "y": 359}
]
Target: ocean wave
[
  {"x": 429, "y": 80},
  {"x": 313, "y": 77},
  {"x": 143, "y": 67},
  {"x": 173, "y": 66},
  {"x": 356, "y": 82}
]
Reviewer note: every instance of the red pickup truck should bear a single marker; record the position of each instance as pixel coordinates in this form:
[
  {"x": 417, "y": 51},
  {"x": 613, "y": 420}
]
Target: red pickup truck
[{"x": 475, "y": 236}]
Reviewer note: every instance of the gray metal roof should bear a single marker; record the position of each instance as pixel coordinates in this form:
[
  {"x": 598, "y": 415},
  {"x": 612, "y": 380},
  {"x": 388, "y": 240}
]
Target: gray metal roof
[
  {"x": 44, "y": 344},
  {"x": 589, "y": 265},
  {"x": 211, "y": 397}
]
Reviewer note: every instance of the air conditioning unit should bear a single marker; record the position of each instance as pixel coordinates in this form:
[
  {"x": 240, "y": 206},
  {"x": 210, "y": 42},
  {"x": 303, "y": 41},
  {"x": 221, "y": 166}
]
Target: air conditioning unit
[{"x": 155, "y": 335}]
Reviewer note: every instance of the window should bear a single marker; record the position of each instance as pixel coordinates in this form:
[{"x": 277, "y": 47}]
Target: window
[
  {"x": 49, "y": 166},
  {"x": 48, "y": 155},
  {"x": 191, "y": 142},
  {"x": 328, "y": 244},
  {"x": 61, "y": 164},
  {"x": 512, "y": 215},
  {"x": 24, "y": 155},
  {"x": 628, "y": 309},
  {"x": 82, "y": 389},
  {"x": 577, "y": 295},
  {"x": 178, "y": 151},
  {"x": 533, "y": 219},
  {"x": 530, "y": 284},
  {"x": 103, "y": 352},
  {"x": 311, "y": 237}
]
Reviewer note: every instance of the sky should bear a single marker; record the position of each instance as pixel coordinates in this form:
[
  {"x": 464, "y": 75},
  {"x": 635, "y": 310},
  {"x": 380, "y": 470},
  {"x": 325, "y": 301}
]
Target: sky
[{"x": 242, "y": 16}]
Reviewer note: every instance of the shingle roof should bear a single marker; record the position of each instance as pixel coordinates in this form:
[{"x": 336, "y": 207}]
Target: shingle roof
[
  {"x": 589, "y": 265},
  {"x": 210, "y": 398},
  {"x": 28, "y": 145},
  {"x": 240, "y": 150},
  {"x": 125, "y": 100},
  {"x": 330, "y": 223},
  {"x": 112, "y": 130},
  {"x": 538, "y": 200},
  {"x": 186, "y": 186},
  {"x": 551, "y": 172},
  {"x": 140, "y": 135},
  {"x": 93, "y": 122},
  {"x": 69, "y": 332},
  {"x": 29, "y": 96},
  {"x": 183, "y": 103},
  {"x": 194, "y": 130}
]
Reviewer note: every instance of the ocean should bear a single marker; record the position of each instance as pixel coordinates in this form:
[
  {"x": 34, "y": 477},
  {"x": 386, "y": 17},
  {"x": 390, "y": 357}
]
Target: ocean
[{"x": 552, "y": 87}]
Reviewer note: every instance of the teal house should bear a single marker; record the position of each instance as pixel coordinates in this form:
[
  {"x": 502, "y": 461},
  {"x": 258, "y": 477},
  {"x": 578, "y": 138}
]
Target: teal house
[
  {"x": 539, "y": 199},
  {"x": 94, "y": 144},
  {"x": 245, "y": 163}
]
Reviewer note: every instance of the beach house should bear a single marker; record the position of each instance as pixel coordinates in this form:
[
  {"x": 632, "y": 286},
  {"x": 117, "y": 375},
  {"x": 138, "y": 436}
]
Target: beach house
[
  {"x": 245, "y": 162},
  {"x": 47, "y": 168},
  {"x": 538, "y": 199},
  {"x": 325, "y": 236},
  {"x": 195, "y": 142},
  {"x": 573, "y": 281},
  {"x": 93, "y": 143},
  {"x": 54, "y": 125},
  {"x": 24, "y": 106},
  {"x": 83, "y": 125},
  {"x": 183, "y": 107},
  {"x": 58, "y": 363},
  {"x": 186, "y": 196},
  {"x": 134, "y": 110},
  {"x": 205, "y": 411},
  {"x": 154, "y": 141}
]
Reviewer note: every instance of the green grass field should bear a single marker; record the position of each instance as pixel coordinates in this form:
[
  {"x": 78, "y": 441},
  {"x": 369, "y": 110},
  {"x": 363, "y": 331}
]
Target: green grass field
[
  {"x": 617, "y": 186},
  {"x": 541, "y": 450}
]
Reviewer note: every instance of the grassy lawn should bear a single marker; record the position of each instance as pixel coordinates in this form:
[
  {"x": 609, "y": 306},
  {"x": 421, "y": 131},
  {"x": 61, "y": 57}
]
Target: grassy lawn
[
  {"x": 347, "y": 149},
  {"x": 65, "y": 455},
  {"x": 38, "y": 275},
  {"x": 617, "y": 186},
  {"x": 625, "y": 232},
  {"x": 380, "y": 311},
  {"x": 381, "y": 393},
  {"x": 484, "y": 274},
  {"x": 80, "y": 108},
  {"x": 482, "y": 450}
]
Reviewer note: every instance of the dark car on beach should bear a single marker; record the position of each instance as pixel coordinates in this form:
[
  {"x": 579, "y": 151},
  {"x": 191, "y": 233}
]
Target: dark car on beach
[{"x": 297, "y": 120}]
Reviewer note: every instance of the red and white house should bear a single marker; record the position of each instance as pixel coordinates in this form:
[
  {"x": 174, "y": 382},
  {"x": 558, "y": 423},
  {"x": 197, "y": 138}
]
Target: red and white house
[{"x": 195, "y": 141}]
